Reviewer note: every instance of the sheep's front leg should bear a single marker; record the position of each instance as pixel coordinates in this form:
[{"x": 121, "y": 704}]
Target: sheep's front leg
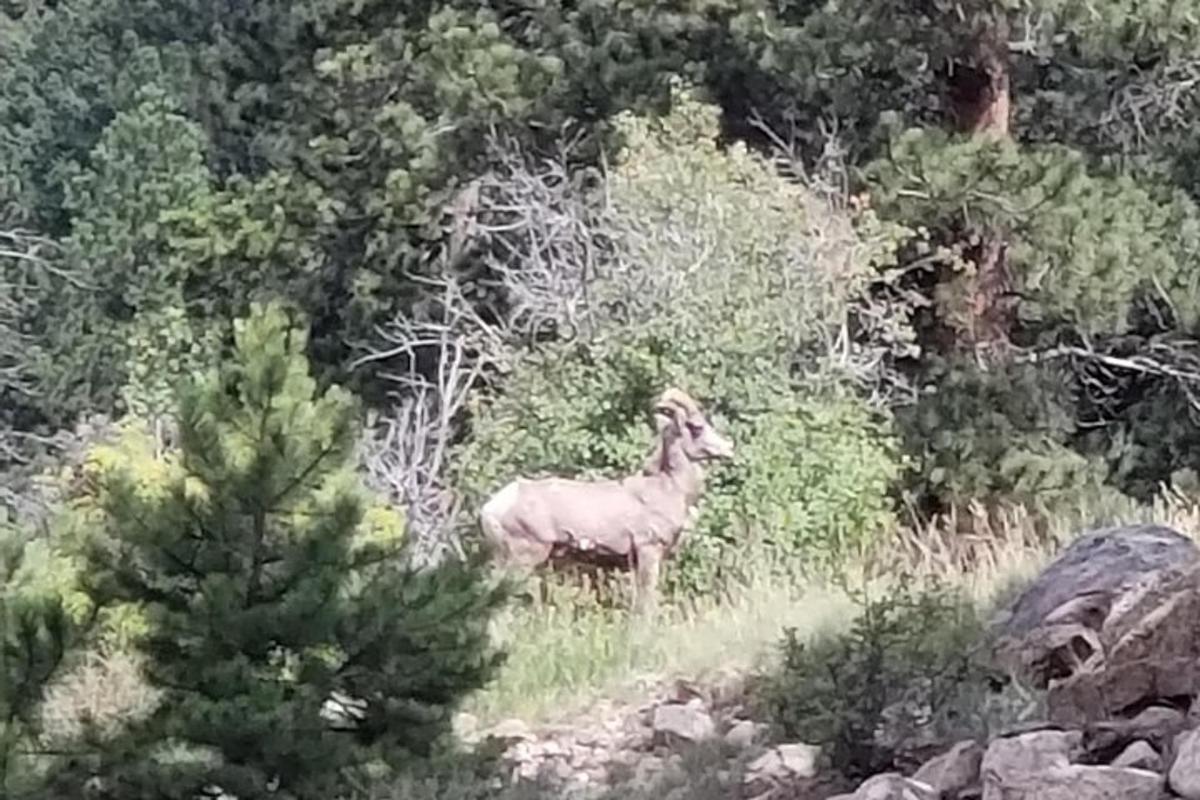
[{"x": 648, "y": 559}]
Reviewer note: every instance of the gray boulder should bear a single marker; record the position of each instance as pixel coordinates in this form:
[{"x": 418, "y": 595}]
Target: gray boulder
[
  {"x": 1106, "y": 627},
  {"x": 954, "y": 771},
  {"x": 890, "y": 786},
  {"x": 690, "y": 722},
  {"x": 1037, "y": 766},
  {"x": 1184, "y": 776},
  {"x": 1092, "y": 573}
]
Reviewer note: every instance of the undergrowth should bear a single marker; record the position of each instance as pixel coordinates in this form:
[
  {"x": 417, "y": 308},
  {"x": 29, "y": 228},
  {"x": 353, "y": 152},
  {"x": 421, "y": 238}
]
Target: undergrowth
[{"x": 565, "y": 649}]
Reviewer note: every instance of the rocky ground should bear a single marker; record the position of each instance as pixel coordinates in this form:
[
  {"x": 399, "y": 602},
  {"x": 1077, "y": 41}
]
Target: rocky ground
[
  {"x": 659, "y": 741},
  {"x": 1110, "y": 632}
]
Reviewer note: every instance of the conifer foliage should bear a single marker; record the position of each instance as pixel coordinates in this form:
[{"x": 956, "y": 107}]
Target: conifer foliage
[
  {"x": 35, "y": 635},
  {"x": 290, "y": 642}
]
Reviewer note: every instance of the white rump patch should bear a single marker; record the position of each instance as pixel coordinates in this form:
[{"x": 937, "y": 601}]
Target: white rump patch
[{"x": 500, "y": 502}]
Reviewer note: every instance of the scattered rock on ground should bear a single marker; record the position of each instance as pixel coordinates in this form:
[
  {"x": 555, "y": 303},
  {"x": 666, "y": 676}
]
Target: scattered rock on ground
[
  {"x": 954, "y": 771},
  {"x": 1157, "y": 725},
  {"x": 1036, "y": 766},
  {"x": 743, "y": 734},
  {"x": 1139, "y": 755},
  {"x": 890, "y": 786},
  {"x": 688, "y": 722},
  {"x": 780, "y": 766}
]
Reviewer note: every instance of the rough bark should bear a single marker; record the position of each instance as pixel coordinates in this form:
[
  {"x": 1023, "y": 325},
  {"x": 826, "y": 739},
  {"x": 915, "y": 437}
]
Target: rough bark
[
  {"x": 980, "y": 100},
  {"x": 980, "y": 105}
]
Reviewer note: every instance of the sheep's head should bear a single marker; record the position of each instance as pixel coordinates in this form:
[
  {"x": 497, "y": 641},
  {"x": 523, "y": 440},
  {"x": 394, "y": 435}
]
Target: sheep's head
[{"x": 699, "y": 440}]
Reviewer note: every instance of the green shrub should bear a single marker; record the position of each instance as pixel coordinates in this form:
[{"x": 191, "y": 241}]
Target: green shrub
[
  {"x": 906, "y": 667},
  {"x": 730, "y": 282},
  {"x": 809, "y": 484}
]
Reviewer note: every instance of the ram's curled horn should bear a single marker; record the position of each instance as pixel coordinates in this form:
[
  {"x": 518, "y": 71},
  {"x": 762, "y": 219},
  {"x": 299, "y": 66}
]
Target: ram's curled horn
[{"x": 676, "y": 399}]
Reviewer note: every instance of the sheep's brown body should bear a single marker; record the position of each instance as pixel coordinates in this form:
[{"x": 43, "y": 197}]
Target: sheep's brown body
[{"x": 631, "y": 523}]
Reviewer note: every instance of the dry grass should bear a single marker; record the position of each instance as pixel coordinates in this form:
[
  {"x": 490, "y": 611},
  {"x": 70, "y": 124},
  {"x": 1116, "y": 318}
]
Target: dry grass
[
  {"x": 988, "y": 551},
  {"x": 566, "y": 653},
  {"x": 105, "y": 690}
]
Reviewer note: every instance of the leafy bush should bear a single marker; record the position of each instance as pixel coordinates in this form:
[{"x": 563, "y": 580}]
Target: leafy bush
[
  {"x": 905, "y": 667},
  {"x": 732, "y": 283}
]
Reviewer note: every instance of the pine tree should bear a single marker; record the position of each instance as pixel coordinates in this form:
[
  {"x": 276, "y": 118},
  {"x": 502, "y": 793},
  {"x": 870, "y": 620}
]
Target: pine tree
[
  {"x": 1040, "y": 148},
  {"x": 268, "y": 601}
]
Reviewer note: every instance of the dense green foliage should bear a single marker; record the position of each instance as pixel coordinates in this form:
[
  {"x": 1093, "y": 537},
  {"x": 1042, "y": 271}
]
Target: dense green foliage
[
  {"x": 187, "y": 166},
  {"x": 36, "y": 634},
  {"x": 908, "y": 663},
  {"x": 909, "y": 256},
  {"x": 723, "y": 289}
]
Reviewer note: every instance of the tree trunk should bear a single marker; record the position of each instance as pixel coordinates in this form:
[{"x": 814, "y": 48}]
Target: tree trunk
[
  {"x": 979, "y": 85},
  {"x": 980, "y": 105}
]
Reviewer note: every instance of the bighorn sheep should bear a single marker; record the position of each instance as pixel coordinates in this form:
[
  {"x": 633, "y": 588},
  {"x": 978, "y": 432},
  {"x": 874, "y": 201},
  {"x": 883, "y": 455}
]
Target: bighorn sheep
[{"x": 633, "y": 522}]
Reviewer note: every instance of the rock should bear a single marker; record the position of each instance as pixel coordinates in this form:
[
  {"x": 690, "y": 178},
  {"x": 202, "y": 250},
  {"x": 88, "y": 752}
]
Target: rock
[
  {"x": 1150, "y": 650},
  {"x": 684, "y": 692},
  {"x": 1036, "y": 766},
  {"x": 1139, "y": 755},
  {"x": 954, "y": 771},
  {"x": 1085, "y": 783},
  {"x": 1157, "y": 725},
  {"x": 1011, "y": 757},
  {"x": 689, "y": 723},
  {"x": 798, "y": 759},
  {"x": 781, "y": 765},
  {"x": 1095, "y": 572},
  {"x": 1184, "y": 777},
  {"x": 743, "y": 734},
  {"x": 1106, "y": 627},
  {"x": 890, "y": 786}
]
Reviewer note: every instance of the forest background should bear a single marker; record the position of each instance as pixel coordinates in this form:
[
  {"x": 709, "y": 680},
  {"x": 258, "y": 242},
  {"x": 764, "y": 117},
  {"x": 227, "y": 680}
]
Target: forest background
[{"x": 932, "y": 265}]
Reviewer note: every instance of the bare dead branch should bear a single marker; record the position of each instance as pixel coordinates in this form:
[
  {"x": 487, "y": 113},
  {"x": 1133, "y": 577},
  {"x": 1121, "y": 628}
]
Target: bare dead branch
[
  {"x": 1102, "y": 375},
  {"x": 435, "y": 360},
  {"x": 539, "y": 231},
  {"x": 1155, "y": 103}
]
